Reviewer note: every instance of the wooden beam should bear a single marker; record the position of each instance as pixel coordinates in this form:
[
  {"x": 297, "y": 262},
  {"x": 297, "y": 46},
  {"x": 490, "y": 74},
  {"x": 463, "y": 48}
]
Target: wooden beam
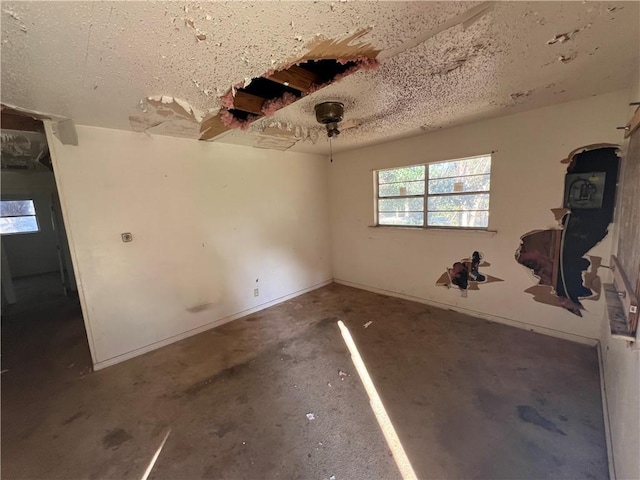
[
  {"x": 295, "y": 77},
  {"x": 212, "y": 127},
  {"x": 248, "y": 103},
  {"x": 12, "y": 121}
]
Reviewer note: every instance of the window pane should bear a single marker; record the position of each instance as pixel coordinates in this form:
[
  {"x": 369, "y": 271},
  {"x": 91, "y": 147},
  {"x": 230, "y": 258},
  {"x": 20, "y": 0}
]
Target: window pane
[
  {"x": 472, "y": 166},
  {"x": 18, "y": 225},
  {"x": 401, "y": 189},
  {"x": 459, "y": 202},
  {"x": 404, "y": 218},
  {"x": 477, "y": 183},
  {"x": 14, "y": 208},
  {"x": 401, "y": 205},
  {"x": 458, "y": 219},
  {"x": 405, "y": 174}
]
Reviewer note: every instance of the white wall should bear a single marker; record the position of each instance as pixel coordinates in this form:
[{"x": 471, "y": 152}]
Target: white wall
[
  {"x": 208, "y": 220},
  {"x": 527, "y": 180},
  {"x": 31, "y": 253},
  {"x": 622, "y": 371}
]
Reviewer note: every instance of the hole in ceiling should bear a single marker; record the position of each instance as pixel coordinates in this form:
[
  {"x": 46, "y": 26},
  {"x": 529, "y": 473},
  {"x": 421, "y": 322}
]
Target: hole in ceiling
[{"x": 272, "y": 91}]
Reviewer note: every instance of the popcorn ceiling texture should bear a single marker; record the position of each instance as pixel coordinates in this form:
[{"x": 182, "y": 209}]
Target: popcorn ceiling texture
[{"x": 101, "y": 63}]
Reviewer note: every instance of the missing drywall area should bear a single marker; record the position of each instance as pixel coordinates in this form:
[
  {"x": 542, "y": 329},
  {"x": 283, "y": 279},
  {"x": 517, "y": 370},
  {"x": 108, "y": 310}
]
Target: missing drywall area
[
  {"x": 556, "y": 256},
  {"x": 466, "y": 274},
  {"x": 263, "y": 96}
]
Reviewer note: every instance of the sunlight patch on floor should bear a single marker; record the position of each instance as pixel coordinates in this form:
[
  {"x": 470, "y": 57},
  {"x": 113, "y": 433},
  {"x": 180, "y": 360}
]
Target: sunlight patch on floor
[
  {"x": 390, "y": 435},
  {"x": 155, "y": 457}
]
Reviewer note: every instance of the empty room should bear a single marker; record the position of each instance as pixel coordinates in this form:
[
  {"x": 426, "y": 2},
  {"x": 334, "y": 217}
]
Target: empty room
[{"x": 327, "y": 240}]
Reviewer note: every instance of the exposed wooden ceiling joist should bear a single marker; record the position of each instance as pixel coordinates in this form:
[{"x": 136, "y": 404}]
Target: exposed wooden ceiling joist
[
  {"x": 295, "y": 77},
  {"x": 248, "y": 103}
]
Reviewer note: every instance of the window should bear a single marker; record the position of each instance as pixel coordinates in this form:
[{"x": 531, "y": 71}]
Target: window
[
  {"x": 443, "y": 194},
  {"x": 18, "y": 216}
]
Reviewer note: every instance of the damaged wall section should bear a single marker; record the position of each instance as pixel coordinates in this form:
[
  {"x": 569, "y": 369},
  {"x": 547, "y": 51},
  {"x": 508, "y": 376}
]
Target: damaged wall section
[{"x": 557, "y": 256}]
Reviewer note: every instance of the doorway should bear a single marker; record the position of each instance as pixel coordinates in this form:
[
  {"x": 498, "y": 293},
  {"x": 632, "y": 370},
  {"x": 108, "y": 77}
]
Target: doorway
[{"x": 39, "y": 292}]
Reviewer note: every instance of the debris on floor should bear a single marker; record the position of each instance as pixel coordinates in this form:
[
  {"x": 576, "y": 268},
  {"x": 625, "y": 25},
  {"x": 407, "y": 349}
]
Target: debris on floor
[
  {"x": 311, "y": 416},
  {"x": 366, "y": 325},
  {"x": 342, "y": 374}
]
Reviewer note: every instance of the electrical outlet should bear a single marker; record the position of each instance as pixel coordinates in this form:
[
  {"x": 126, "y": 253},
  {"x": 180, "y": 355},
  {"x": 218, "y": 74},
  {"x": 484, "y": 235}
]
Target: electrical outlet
[{"x": 256, "y": 292}]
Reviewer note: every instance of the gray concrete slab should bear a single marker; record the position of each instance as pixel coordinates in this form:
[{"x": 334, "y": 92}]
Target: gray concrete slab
[{"x": 468, "y": 398}]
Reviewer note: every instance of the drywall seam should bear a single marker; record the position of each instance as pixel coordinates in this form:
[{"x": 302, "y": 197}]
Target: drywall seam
[
  {"x": 605, "y": 411},
  {"x": 485, "y": 316},
  {"x": 203, "y": 328},
  {"x": 51, "y": 140}
]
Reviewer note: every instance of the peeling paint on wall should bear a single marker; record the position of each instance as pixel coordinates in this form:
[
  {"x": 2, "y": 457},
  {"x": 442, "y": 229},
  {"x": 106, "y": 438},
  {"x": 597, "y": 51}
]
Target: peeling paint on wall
[
  {"x": 556, "y": 256},
  {"x": 466, "y": 275}
]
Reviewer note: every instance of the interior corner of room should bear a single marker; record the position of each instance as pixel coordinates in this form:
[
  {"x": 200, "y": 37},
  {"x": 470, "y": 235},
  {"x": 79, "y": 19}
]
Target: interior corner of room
[{"x": 186, "y": 223}]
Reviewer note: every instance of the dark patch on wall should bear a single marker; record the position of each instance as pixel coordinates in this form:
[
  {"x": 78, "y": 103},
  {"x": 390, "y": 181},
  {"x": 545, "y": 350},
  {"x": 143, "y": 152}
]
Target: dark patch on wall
[
  {"x": 528, "y": 414},
  {"x": 557, "y": 256},
  {"x": 466, "y": 274}
]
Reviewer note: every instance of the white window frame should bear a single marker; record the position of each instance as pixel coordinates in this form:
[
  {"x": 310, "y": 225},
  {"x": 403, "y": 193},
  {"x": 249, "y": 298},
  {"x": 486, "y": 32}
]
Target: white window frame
[{"x": 426, "y": 195}]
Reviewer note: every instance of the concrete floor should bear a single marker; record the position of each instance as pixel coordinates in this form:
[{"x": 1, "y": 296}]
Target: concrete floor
[{"x": 468, "y": 398}]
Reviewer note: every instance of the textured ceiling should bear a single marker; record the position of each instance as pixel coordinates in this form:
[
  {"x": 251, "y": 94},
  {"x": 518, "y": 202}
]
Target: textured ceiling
[{"x": 99, "y": 62}]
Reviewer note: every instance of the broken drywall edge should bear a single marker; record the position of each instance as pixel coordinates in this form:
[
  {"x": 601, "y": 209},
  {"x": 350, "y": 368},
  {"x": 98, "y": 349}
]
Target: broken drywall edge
[
  {"x": 473, "y": 15},
  {"x": 167, "y": 115},
  {"x": 586, "y": 148},
  {"x": 556, "y": 256},
  {"x": 32, "y": 113},
  {"x": 271, "y": 106},
  {"x": 167, "y": 100},
  {"x": 347, "y": 47},
  {"x": 65, "y": 131},
  {"x": 465, "y": 275}
]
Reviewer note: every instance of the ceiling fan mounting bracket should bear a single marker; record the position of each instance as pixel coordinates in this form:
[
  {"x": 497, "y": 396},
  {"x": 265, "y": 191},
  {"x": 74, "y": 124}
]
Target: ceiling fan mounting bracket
[{"x": 330, "y": 114}]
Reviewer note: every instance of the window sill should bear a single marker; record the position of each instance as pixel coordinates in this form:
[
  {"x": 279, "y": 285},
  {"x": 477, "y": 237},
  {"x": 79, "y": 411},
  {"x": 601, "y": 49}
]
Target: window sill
[{"x": 441, "y": 230}]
